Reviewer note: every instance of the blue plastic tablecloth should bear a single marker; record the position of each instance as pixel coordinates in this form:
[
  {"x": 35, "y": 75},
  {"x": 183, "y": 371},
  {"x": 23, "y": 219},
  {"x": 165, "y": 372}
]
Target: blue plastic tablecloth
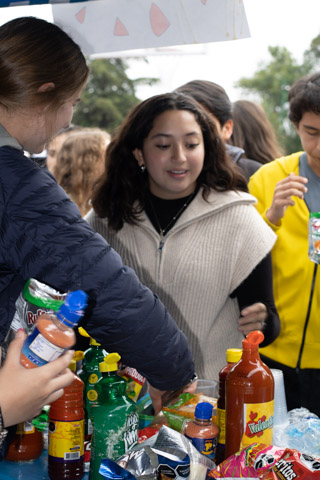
[{"x": 34, "y": 470}]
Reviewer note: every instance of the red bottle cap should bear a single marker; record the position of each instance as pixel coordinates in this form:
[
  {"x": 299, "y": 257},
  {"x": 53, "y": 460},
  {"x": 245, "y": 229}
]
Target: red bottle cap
[{"x": 253, "y": 340}]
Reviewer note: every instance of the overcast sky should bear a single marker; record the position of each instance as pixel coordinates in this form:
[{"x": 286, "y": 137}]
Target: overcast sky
[{"x": 289, "y": 23}]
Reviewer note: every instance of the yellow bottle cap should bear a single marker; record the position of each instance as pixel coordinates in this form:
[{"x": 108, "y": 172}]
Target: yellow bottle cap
[
  {"x": 78, "y": 355},
  {"x": 233, "y": 355},
  {"x": 73, "y": 366},
  {"x": 110, "y": 363},
  {"x": 82, "y": 332}
]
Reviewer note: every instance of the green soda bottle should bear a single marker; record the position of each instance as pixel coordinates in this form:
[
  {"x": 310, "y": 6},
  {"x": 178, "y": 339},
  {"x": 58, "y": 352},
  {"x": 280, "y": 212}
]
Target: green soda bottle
[
  {"x": 90, "y": 374},
  {"x": 114, "y": 417}
]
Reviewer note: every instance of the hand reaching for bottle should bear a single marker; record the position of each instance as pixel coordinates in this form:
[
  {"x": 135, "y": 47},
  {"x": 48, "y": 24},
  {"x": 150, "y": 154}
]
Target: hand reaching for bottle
[
  {"x": 23, "y": 391},
  {"x": 252, "y": 318},
  {"x": 161, "y": 397},
  {"x": 291, "y": 186}
]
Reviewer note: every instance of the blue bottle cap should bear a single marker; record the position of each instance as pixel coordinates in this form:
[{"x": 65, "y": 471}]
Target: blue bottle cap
[
  {"x": 73, "y": 307},
  {"x": 203, "y": 411}
]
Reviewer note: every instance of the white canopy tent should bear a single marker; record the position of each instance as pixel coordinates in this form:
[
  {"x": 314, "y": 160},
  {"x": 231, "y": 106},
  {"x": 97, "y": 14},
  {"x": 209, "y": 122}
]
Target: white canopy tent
[{"x": 112, "y": 27}]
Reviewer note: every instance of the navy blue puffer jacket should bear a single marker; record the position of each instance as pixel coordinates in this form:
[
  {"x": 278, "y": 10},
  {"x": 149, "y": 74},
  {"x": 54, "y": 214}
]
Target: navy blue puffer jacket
[{"x": 43, "y": 236}]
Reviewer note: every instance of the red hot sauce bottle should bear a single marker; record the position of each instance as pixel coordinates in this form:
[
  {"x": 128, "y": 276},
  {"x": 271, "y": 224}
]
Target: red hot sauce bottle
[
  {"x": 233, "y": 356},
  {"x": 249, "y": 399}
]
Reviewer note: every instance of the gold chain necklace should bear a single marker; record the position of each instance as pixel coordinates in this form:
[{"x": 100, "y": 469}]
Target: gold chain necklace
[{"x": 164, "y": 231}]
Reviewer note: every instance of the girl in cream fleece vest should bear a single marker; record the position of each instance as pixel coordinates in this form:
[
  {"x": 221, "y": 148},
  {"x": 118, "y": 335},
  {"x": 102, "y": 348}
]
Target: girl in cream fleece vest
[{"x": 176, "y": 209}]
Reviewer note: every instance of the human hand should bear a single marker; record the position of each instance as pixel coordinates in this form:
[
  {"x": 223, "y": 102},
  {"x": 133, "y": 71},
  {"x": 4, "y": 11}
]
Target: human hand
[
  {"x": 252, "y": 318},
  {"x": 23, "y": 391},
  {"x": 293, "y": 185},
  {"x": 162, "y": 397}
]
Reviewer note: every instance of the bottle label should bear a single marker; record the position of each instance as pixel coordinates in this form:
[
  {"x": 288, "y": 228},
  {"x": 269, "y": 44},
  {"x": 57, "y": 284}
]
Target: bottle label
[
  {"x": 221, "y": 421},
  {"x": 39, "y": 350},
  {"x": 258, "y": 423},
  {"x": 92, "y": 395},
  {"x": 66, "y": 439},
  {"x": 25, "y": 428},
  {"x": 93, "y": 378},
  {"x": 206, "y": 446},
  {"x": 130, "y": 436}
]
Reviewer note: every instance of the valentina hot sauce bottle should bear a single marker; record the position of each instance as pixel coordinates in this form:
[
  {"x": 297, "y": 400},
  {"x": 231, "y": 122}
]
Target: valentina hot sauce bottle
[{"x": 249, "y": 399}]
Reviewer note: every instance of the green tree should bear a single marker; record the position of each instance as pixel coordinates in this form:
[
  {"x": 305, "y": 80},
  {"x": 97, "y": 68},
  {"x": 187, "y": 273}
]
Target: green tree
[
  {"x": 108, "y": 95},
  {"x": 271, "y": 83}
]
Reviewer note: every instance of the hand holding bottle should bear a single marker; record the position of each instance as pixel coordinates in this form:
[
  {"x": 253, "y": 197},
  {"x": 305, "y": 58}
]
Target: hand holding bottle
[{"x": 23, "y": 392}]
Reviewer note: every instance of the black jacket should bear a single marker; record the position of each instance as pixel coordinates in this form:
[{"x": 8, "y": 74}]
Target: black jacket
[
  {"x": 43, "y": 236},
  {"x": 247, "y": 165}
]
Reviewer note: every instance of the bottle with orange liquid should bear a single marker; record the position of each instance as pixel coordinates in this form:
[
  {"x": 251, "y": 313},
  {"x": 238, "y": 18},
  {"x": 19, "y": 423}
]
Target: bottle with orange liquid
[
  {"x": 66, "y": 433},
  {"x": 202, "y": 432},
  {"x": 53, "y": 333},
  {"x": 249, "y": 399},
  {"x": 233, "y": 356},
  {"x": 27, "y": 444}
]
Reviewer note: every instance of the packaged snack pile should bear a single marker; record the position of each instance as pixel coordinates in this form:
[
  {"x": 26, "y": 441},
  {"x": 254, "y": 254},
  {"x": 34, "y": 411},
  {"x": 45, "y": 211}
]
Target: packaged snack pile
[
  {"x": 249, "y": 462},
  {"x": 293, "y": 464},
  {"x": 168, "y": 454},
  {"x": 267, "y": 462}
]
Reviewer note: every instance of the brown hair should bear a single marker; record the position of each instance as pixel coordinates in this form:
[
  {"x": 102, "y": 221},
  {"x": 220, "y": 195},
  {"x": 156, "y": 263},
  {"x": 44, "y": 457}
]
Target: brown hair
[
  {"x": 304, "y": 96},
  {"x": 120, "y": 195},
  {"x": 211, "y": 96},
  {"x": 80, "y": 162},
  {"x": 34, "y": 52},
  {"x": 253, "y": 132}
]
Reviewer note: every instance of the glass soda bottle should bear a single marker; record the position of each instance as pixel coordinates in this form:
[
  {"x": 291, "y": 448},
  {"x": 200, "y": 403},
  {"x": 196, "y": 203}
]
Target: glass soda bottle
[
  {"x": 233, "y": 355},
  {"x": 202, "y": 432},
  {"x": 27, "y": 444},
  {"x": 66, "y": 433},
  {"x": 90, "y": 374},
  {"x": 249, "y": 398},
  {"x": 53, "y": 333},
  {"x": 114, "y": 418}
]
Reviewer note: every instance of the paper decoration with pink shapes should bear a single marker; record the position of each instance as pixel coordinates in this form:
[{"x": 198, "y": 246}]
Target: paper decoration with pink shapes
[{"x": 105, "y": 26}]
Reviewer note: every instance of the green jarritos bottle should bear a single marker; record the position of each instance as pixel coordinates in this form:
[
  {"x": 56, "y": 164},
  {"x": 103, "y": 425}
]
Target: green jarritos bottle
[
  {"x": 114, "y": 417},
  {"x": 90, "y": 374}
]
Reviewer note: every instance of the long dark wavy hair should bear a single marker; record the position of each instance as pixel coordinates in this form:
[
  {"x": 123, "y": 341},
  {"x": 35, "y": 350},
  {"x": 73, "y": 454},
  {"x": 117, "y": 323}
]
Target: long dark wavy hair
[{"x": 120, "y": 194}]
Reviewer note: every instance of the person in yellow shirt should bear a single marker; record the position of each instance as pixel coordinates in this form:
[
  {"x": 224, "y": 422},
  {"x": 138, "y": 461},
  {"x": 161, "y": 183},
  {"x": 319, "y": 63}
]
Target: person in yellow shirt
[{"x": 287, "y": 190}]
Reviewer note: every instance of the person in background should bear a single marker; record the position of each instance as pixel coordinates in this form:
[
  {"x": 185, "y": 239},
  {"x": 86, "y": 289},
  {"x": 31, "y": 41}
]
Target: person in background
[
  {"x": 216, "y": 102},
  {"x": 176, "y": 208},
  {"x": 287, "y": 190},
  {"x": 55, "y": 143},
  {"x": 253, "y": 132},
  {"x": 79, "y": 163},
  {"x": 44, "y": 237}
]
